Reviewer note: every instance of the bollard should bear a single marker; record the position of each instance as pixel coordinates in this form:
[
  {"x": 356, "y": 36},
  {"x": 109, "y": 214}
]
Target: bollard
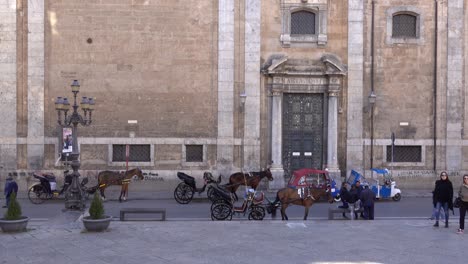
[{"x": 351, "y": 209}]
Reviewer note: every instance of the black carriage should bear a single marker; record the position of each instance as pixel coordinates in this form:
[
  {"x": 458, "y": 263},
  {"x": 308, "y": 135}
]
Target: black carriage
[
  {"x": 184, "y": 192},
  {"x": 46, "y": 188},
  {"x": 223, "y": 208}
]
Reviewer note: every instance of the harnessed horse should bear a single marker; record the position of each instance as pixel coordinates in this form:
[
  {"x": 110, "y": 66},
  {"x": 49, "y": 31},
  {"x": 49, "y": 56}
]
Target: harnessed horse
[
  {"x": 289, "y": 196},
  {"x": 107, "y": 178},
  {"x": 251, "y": 179}
]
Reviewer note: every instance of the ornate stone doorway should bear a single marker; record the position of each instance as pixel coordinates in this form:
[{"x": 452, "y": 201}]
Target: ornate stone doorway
[{"x": 304, "y": 92}]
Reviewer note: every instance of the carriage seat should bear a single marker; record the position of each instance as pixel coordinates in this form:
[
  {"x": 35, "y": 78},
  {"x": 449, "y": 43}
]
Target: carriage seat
[
  {"x": 258, "y": 199},
  {"x": 47, "y": 176}
]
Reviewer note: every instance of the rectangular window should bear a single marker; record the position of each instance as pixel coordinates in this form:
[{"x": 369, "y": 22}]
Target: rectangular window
[
  {"x": 137, "y": 153},
  {"x": 404, "y": 154},
  {"x": 303, "y": 23},
  {"x": 194, "y": 153},
  {"x": 404, "y": 26}
]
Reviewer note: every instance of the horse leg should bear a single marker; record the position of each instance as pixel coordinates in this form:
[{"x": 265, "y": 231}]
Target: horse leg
[
  {"x": 306, "y": 212},
  {"x": 125, "y": 192},
  {"x": 283, "y": 211},
  {"x": 101, "y": 190}
]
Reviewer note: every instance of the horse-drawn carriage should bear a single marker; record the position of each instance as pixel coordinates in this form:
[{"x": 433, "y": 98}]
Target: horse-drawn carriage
[
  {"x": 305, "y": 187},
  {"x": 224, "y": 208},
  {"x": 184, "y": 192},
  {"x": 306, "y": 178}
]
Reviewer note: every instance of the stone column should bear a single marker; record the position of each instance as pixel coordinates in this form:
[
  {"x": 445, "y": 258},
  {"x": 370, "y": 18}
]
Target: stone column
[
  {"x": 252, "y": 86},
  {"x": 36, "y": 109},
  {"x": 455, "y": 86},
  {"x": 277, "y": 169},
  {"x": 332, "y": 149},
  {"x": 354, "y": 142},
  {"x": 8, "y": 95},
  {"x": 225, "y": 140}
]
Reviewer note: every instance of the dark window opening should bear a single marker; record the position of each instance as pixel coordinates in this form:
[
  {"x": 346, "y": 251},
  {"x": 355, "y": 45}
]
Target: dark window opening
[
  {"x": 137, "y": 153},
  {"x": 303, "y": 23},
  {"x": 404, "y": 25},
  {"x": 194, "y": 153},
  {"x": 404, "y": 154}
]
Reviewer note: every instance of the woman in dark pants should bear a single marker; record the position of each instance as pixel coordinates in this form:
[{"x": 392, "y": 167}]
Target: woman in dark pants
[
  {"x": 463, "y": 194},
  {"x": 443, "y": 193}
]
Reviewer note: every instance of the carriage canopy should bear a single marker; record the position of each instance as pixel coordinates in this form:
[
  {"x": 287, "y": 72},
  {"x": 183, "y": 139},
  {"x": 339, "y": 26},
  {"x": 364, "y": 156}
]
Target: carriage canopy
[{"x": 309, "y": 178}]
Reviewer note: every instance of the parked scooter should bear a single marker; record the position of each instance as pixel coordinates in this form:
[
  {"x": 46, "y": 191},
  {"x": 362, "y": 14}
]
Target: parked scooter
[{"x": 386, "y": 190}]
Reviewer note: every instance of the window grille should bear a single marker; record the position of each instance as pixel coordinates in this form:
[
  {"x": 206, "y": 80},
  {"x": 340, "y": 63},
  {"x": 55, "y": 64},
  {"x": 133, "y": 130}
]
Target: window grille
[
  {"x": 404, "y": 154},
  {"x": 404, "y": 25},
  {"x": 303, "y": 23},
  {"x": 138, "y": 153},
  {"x": 194, "y": 153}
]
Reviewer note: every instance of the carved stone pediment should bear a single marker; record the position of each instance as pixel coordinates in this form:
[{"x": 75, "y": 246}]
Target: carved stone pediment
[{"x": 329, "y": 64}]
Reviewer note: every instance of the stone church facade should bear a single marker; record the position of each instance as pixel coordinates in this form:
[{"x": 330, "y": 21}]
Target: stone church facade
[{"x": 225, "y": 85}]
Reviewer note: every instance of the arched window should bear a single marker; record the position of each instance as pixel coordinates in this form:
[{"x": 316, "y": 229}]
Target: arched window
[
  {"x": 404, "y": 26},
  {"x": 302, "y": 23}
]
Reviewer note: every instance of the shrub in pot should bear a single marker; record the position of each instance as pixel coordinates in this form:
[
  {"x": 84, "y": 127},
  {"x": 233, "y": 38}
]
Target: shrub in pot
[
  {"x": 13, "y": 220},
  {"x": 97, "y": 221}
]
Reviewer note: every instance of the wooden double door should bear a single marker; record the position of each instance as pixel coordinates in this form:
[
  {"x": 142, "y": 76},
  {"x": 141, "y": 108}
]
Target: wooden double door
[{"x": 303, "y": 130}]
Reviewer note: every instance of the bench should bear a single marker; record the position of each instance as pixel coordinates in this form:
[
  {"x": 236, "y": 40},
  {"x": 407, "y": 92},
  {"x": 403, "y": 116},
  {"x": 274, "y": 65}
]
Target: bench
[
  {"x": 143, "y": 211},
  {"x": 333, "y": 211}
]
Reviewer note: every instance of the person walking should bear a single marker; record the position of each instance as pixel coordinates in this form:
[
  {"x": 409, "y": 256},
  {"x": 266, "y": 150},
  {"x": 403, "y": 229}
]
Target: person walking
[
  {"x": 463, "y": 194},
  {"x": 443, "y": 193},
  {"x": 10, "y": 188},
  {"x": 367, "y": 200},
  {"x": 434, "y": 208}
]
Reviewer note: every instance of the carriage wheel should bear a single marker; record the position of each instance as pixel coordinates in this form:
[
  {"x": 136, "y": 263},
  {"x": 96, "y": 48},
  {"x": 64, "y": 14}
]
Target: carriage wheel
[
  {"x": 219, "y": 201},
  {"x": 183, "y": 194},
  {"x": 36, "y": 194},
  {"x": 257, "y": 213},
  {"x": 221, "y": 211},
  {"x": 397, "y": 197}
]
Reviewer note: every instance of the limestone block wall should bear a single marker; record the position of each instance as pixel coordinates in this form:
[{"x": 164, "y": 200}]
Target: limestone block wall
[
  {"x": 8, "y": 94},
  {"x": 150, "y": 61},
  {"x": 403, "y": 73}
]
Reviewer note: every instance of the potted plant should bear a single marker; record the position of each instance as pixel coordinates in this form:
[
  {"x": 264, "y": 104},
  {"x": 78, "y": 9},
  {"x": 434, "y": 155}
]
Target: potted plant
[
  {"x": 97, "y": 221},
  {"x": 13, "y": 221}
]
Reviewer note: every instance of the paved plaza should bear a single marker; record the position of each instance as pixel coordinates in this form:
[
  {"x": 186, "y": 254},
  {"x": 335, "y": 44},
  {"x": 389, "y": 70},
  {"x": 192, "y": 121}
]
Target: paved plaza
[{"x": 63, "y": 240}]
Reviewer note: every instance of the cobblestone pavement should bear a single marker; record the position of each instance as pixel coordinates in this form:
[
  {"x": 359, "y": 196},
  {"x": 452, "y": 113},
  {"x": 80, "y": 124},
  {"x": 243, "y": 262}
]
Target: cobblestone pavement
[{"x": 63, "y": 240}]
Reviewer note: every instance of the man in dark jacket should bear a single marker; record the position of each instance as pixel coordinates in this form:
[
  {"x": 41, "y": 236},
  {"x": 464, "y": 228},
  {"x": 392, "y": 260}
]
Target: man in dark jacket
[
  {"x": 359, "y": 189},
  {"x": 10, "y": 188},
  {"x": 345, "y": 197},
  {"x": 367, "y": 200}
]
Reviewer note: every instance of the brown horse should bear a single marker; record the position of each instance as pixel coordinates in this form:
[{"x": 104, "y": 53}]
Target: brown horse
[
  {"x": 251, "y": 179},
  {"x": 107, "y": 178},
  {"x": 289, "y": 196}
]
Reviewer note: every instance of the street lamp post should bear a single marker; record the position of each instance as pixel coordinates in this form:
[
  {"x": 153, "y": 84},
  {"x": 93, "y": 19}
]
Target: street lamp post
[
  {"x": 74, "y": 198},
  {"x": 243, "y": 97},
  {"x": 372, "y": 99}
]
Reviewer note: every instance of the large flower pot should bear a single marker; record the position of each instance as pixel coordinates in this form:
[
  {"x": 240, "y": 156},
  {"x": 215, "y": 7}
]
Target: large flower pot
[
  {"x": 97, "y": 225},
  {"x": 14, "y": 225}
]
